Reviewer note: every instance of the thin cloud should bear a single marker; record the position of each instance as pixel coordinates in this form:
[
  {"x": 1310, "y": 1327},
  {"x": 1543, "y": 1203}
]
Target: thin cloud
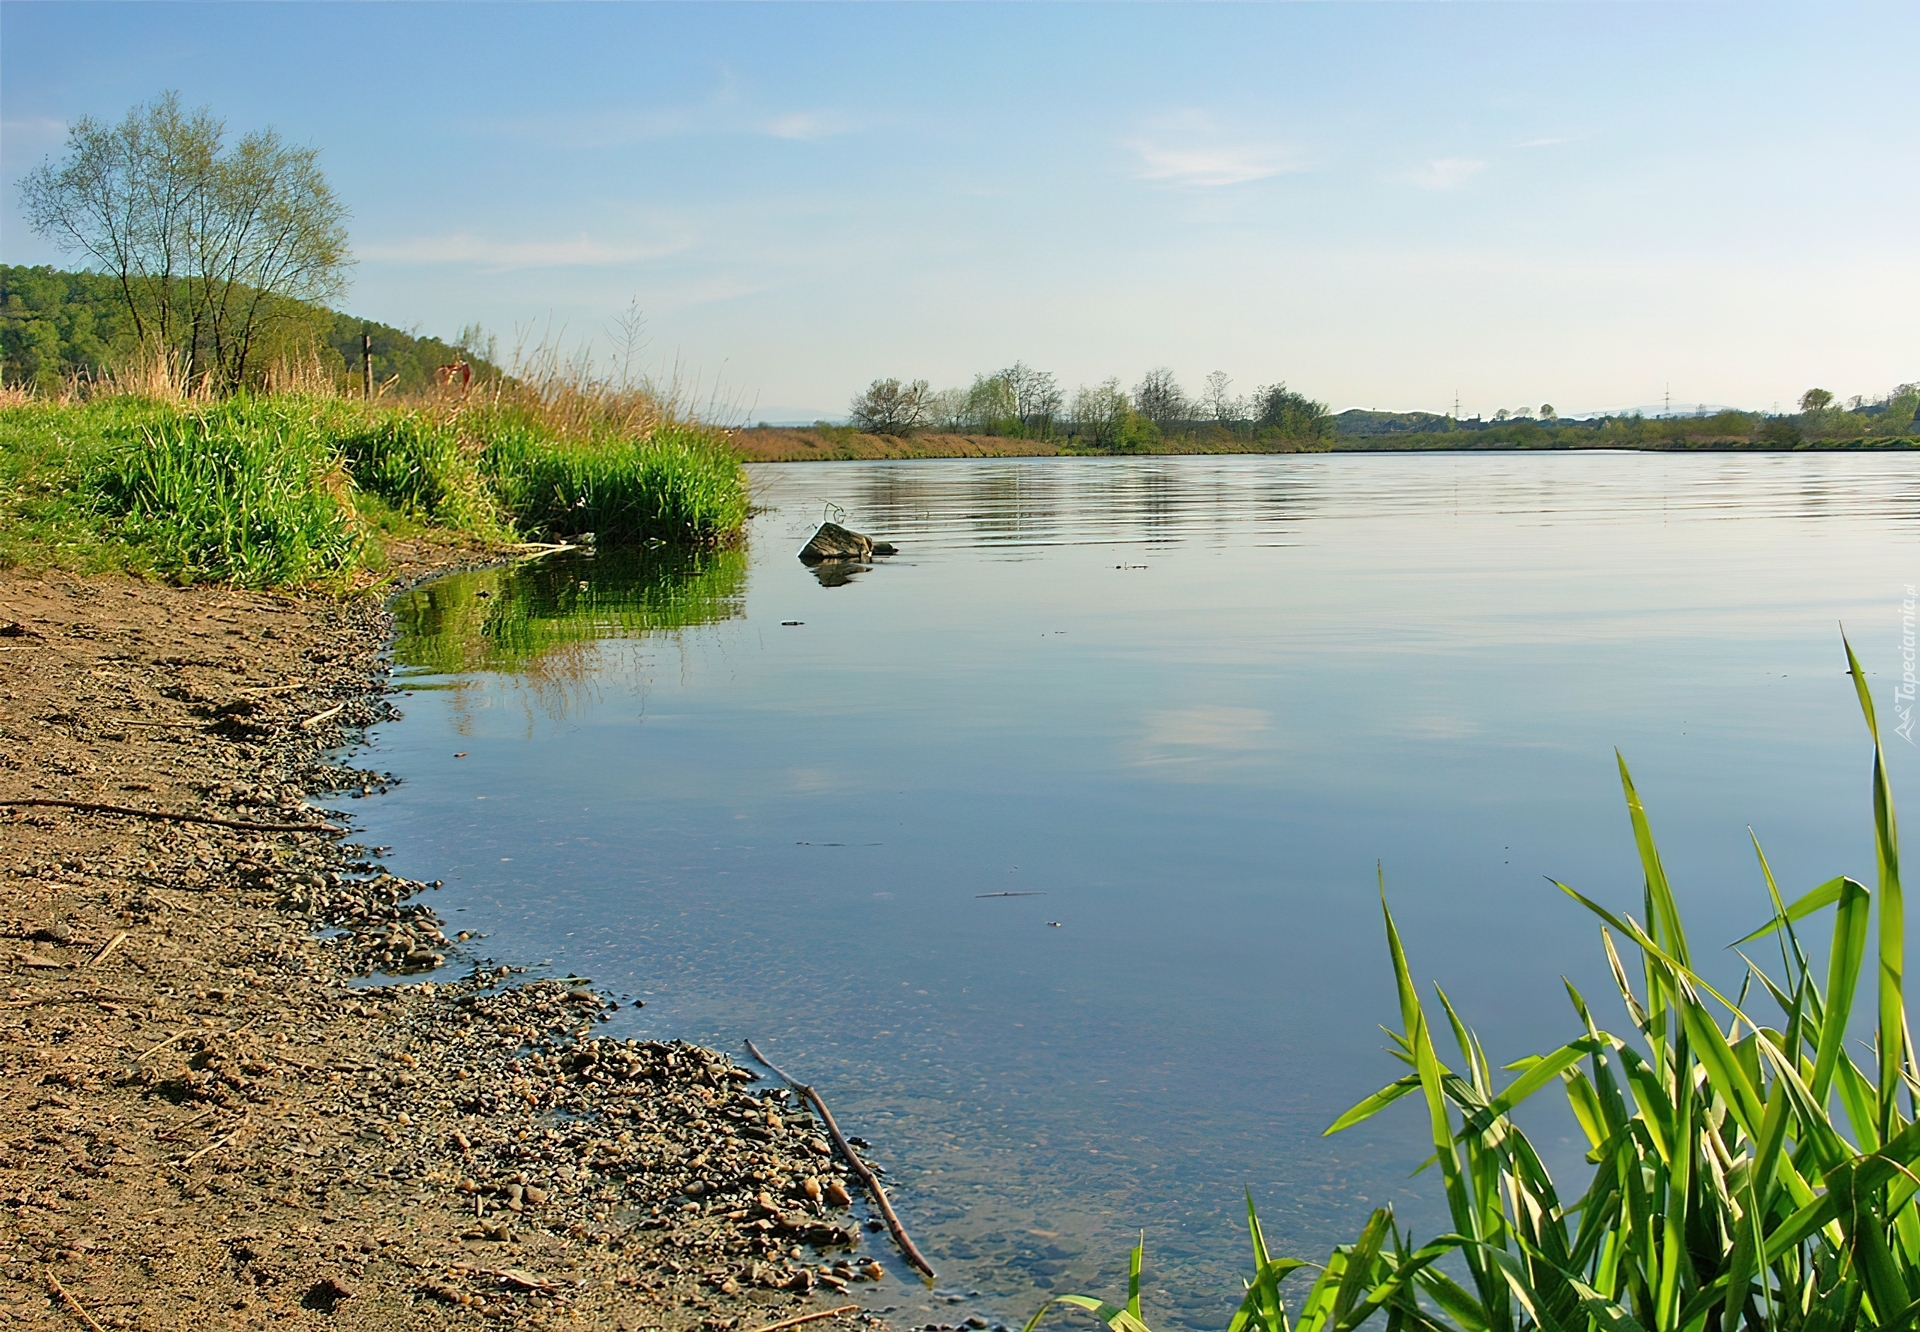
[
  {"x": 581, "y": 251},
  {"x": 808, "y": 126},
  {"x": 1544, "y": 143},
  {"x": 1188, "y": 148},
  {"x": 1448, "y": 173}
]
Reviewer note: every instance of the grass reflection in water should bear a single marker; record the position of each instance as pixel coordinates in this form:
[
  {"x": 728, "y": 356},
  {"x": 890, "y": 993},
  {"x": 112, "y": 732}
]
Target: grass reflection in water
[{"x": 516, "y": 618}]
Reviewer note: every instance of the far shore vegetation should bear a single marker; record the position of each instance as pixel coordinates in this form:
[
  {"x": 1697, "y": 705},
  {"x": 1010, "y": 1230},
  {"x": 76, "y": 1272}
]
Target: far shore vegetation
[{"x": 1157, "y": 415}]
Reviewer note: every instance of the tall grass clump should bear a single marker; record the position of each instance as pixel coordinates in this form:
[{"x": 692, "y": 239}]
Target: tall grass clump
[
  {"x": 678, "y": 483},
  {"x": 1748, "y": 1171},
  {"x": 140, "y": 469},
  {"x": 243, "y": 494},
  {"x": 417, "y": 464}
]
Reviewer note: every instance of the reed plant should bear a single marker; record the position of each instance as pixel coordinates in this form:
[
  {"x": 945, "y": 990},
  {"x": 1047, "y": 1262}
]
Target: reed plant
[
  {"x": 1747, "y": 1171},
  {"x": 678, "y": 483}
]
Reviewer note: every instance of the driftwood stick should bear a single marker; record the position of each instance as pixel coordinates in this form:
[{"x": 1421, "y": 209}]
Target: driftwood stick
[
  {"x": 90, "y": 807},
  {"x": 216, "y": 1144},
  {"x": 808, "y": 1318},
  {"x": 540, "y": 550},
  {"x": 860, "y": 1168},
  {"x": 112, "y": 944},
  {"x": 66, "y": 1298},
  {"x": 164, "y": 1044},
  {"x": 319, "y": 717}
]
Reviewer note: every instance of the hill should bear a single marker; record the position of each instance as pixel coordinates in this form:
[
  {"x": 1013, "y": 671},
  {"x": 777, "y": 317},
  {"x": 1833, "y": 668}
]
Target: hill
[
  {"x": 57, "y": 325},
  {"x": 1358, "y": 421}
]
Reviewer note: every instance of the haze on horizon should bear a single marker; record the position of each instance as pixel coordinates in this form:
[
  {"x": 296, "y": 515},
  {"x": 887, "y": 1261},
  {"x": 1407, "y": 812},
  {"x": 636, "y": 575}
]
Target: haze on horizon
[{"x": 1383, "y": 204}]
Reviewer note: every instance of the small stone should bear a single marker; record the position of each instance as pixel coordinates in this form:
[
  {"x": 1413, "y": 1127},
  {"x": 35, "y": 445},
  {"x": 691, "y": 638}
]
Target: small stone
[
  {"x": 811, "y": 1187},
  {"x": 873, "y": 1271},
  {"x": 837, "y": 1194}
]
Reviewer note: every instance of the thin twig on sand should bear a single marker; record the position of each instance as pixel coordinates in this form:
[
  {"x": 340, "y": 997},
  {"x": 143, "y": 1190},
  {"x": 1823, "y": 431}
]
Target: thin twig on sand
[
  {"x": 807, "y": 1318},
  {"x": 860, "y": 1168},
  {"x": 319, "y": 717},
  {"x": 66, "y": 1298},
  {"x": 89, "y": 806},
  {"x": 112, "y": 944}
]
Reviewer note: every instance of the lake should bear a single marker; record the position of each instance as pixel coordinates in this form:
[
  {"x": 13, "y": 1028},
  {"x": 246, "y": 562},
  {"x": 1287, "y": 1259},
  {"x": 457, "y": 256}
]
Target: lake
[{"x": 1047, "y": 847}]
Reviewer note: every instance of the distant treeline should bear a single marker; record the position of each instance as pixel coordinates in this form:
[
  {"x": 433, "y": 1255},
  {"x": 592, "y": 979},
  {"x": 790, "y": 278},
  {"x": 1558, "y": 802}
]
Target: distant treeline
[
  {"x": 1821, "y": 419},
  {"x": 1157, "y": 415},
  {"x": 1024, "y": 403},
  {"x": 56, "y": 326}
]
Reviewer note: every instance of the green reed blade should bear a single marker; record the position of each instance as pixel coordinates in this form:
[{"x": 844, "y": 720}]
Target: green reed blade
[
  {"x": 1134, "y": 1261},
  {"x": 1374, "y": 1104},
  {"x": 1119, "y": 1320},
  {"x": 1894, "y": 1039}
]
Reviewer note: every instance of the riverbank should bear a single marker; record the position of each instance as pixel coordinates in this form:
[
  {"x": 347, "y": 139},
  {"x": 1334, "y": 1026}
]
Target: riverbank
[
  {"x": 307, "y": 488},
  {"x": 844, "y": 444},
  {"x": 215, "y": 1119}
]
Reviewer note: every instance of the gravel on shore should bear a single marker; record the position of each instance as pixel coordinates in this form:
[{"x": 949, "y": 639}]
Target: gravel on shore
[{"x": 212, "y": 1119}]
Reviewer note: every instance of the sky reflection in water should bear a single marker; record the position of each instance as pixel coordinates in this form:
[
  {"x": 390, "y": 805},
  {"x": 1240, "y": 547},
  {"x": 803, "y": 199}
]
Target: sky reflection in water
[{"x": 1190, "y": 703}]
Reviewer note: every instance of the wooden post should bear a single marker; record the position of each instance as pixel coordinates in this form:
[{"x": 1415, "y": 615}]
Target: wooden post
[{"x": 366, "y": 363}]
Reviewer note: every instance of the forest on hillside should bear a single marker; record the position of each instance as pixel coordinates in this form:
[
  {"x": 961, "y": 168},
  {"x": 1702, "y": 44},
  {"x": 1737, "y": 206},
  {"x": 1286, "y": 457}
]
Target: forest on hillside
[{"x": 58, "y": 326}]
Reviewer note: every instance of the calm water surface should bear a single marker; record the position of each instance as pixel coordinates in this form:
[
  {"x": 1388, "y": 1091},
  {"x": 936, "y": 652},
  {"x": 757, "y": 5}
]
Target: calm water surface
[{"x": 1188, "y": 705}]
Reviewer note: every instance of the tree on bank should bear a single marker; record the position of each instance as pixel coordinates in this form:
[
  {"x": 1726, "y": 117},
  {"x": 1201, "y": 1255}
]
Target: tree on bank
[
  {"x": 1159, "y": 397},
  {"x": 1217, "y": 400},
  {"x": 212, "y": 247},
  {"x": 1100, "y": 414},
  {"x": 889, "y": 407},
  {"x": 1279, "y": 412}
]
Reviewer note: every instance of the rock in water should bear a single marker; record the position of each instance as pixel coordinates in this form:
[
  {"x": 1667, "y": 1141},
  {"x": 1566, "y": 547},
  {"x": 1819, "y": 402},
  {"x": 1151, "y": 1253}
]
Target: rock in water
[{"x": 834, "y": 542}]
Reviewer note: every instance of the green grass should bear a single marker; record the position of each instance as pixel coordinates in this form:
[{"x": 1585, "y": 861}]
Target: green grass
[
  {"x": 682, "y": 483},
  {"x": 1748, "y": 1173},
  {"x": 294, "y": 489}
]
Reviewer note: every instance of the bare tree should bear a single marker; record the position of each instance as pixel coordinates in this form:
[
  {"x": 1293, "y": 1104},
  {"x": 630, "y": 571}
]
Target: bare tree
[
  {"x": 268, "y": 232},
  {"x": 947, "y": 409},
  {"x": 1218, "y": 401},
  {"x": 1159, "y": 398},
  {"x": 1037, "y": 399},
  {"x": 124, "y": 199},
  {"x": 211, "y": 247},
  {"x": 889, "y": 407},
  {"x": 1100, "y": 413}
]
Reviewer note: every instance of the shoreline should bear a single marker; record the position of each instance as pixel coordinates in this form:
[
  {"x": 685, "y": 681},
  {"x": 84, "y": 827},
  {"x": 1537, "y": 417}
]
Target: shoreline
[
  {"x": 768, "y": 445},
  {"x": 216, "y": 1119}
]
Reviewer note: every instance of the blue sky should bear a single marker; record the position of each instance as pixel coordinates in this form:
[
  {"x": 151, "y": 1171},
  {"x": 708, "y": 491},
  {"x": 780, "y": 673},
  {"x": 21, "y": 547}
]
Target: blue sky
[{"x": 1381, "y": 204}]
